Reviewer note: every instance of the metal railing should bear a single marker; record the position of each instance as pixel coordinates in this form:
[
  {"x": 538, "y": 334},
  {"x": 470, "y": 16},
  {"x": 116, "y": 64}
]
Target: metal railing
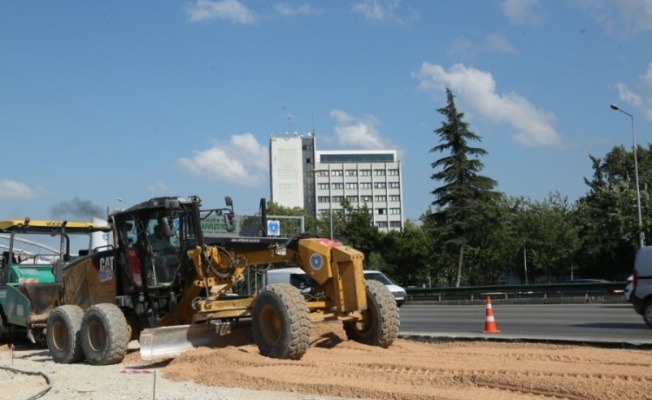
[{"x": 552, "y": 293}]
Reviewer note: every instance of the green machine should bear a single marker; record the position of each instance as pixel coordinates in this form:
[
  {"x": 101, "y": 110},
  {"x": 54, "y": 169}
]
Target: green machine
[{"x": 31, "y": 270}]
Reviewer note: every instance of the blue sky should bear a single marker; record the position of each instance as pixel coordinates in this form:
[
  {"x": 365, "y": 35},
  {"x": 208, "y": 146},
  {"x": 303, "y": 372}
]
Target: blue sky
[{"x": 138, "y": 99}]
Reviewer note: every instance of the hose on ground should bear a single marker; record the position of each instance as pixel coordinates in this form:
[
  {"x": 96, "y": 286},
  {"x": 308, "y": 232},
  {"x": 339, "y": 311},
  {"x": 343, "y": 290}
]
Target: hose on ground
[{"x": 47, "y": 380}]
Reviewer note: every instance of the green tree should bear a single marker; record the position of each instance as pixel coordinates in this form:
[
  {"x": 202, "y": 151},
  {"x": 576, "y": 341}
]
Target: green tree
[
  {"x": 356, "y": 229},
  {"x": 465, "y": 203},
  {"x": 549, "y": 235},
  {"x": 608, "y": 215},
  {"x": 405, "y": 255}
]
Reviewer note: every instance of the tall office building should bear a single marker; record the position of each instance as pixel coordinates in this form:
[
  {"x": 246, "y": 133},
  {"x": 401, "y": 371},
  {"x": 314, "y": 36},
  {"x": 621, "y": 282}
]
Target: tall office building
[
  {"x": 291, "y": 165},
  {"x": 318, "y": 181}
]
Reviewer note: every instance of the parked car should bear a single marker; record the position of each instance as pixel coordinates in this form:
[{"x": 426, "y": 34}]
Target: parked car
[
  {"x": 399, "y": 293},
  {"x": 641, "y": 294},
  {"x": 299, "y": 279}
]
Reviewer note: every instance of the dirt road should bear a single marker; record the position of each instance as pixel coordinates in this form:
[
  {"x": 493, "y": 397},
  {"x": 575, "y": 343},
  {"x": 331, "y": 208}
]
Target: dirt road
[{"x": 408, "y": 370}]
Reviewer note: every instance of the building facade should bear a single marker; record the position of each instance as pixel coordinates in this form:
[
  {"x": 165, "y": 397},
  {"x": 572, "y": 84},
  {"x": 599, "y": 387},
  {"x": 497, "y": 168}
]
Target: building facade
[{"x": 320, "y": 180}]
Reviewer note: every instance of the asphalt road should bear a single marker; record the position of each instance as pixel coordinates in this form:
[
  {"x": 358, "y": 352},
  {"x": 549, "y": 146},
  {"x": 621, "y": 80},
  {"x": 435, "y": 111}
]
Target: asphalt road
[{"x": 609, "y": 324}]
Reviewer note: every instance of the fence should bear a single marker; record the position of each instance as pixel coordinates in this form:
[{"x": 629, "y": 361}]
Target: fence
[{"x": 542, "y": 293}]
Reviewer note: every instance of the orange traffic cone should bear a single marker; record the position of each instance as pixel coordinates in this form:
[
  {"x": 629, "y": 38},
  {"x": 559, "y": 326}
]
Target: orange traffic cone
[{"x": 490, "y": 324}]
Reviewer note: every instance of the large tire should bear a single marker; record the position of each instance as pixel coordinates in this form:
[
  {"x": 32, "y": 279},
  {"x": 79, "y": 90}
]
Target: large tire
[
  {"x": 380, "y": 321},
  {"x": 4, "y": 329},
  {"x": 104, "y": 334},
  {"x": 62, "y": 334},
  {"x": 281, "y": 322},
  {"x": 647, "y": 312}
]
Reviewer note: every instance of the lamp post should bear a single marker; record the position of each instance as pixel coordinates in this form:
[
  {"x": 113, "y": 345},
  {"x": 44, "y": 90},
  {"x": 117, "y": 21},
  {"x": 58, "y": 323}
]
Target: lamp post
[{"x": 638, "y": 191}]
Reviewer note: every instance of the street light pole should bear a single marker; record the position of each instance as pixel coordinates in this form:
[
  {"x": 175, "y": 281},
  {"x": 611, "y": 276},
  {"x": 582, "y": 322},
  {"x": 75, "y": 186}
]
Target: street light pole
[{"x": 638, "y": 191}]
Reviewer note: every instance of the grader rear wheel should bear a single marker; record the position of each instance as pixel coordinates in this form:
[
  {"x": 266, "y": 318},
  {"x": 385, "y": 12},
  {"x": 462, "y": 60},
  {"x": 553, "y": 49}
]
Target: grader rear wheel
[
  {"x": 104, "y": 334},
  {"x": 281, "y": 322},
  {"x": 62, "y": 334},
  {"x": 380, "y": 323}
]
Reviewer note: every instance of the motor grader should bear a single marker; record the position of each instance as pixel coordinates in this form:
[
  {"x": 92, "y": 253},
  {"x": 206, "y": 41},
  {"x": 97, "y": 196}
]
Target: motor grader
[{"x": 182, "y": 295}]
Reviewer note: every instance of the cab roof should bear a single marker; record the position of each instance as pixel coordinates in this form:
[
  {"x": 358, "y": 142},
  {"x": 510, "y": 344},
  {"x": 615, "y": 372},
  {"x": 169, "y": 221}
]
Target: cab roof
[{"x": 47, "y": 226}]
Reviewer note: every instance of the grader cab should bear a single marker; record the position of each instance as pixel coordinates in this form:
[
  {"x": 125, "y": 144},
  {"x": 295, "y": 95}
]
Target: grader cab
[{"x": 167, "y": 285}]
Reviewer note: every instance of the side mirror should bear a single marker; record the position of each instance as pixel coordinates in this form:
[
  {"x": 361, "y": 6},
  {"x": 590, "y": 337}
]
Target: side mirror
[{"x": 228, "y": 220}]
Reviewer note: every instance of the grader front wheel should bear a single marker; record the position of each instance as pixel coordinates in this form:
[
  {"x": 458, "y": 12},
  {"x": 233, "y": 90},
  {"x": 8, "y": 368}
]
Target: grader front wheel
[
  {"x": 380, "y": 321},
  {"x": 281, "y": 322}
]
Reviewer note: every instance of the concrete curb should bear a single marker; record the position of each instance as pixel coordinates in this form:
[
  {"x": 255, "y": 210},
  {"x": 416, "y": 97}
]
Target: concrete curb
[{"x": 509, "y": 338}]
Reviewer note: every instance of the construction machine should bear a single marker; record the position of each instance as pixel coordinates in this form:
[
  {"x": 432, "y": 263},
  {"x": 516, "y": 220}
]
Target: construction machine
[
  {"x": 31, "y": 270},
  {"x": 178, "y": 292}
]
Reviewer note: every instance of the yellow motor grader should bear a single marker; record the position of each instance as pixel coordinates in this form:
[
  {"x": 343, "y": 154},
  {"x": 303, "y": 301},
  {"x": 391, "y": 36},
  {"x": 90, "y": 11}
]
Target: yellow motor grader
[{"x": 163, "y": 282}]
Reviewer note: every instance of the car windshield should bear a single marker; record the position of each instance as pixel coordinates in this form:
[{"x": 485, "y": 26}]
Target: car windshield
[{"x": 378, "y": 276}]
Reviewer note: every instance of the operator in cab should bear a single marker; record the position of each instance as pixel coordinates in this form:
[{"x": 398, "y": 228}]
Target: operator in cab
[{"x": 166, "y": 258}]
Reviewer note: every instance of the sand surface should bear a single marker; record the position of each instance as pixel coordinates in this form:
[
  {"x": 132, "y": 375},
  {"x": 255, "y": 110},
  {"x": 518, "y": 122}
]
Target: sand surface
[{"x": 335, "y": 368}]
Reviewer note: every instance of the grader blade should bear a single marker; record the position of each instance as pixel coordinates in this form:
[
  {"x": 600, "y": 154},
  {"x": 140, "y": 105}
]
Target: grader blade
[{"x": 169, "y": 341}]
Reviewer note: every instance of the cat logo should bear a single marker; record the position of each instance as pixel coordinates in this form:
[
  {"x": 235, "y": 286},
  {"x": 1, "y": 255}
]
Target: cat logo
[{"x": 106, "y": 268}]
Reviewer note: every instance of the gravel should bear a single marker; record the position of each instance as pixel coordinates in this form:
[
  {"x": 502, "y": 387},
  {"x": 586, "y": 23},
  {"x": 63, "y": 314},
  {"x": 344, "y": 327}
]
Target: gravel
[{"x": 31, "y": 374}]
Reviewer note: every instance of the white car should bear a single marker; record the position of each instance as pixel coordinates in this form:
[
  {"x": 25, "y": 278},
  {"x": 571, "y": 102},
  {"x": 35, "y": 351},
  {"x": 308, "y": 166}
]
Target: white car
[{"x": 399, "y": 293}]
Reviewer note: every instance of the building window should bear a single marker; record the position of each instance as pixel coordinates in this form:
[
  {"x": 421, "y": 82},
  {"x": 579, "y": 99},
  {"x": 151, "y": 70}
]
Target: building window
[
  {"x": 380, "y": 185},
  {"x": 351, "y": 172},
  {"x": 324, "y": 211},
  {"x": 365, "y": 199},
  {"x": 380, "y": 198},
  {"x": 323, "y": 186},
  {"x": 322, "y": 173},
  {"x": 322, "y": 199},
  {"x": 365, "y": 185},
  {"x": 395, "y": 224},
  {"x": 337, "y": 199},
  {"x": 365, "y": 172},
  {"x": 381, "y": 224},
  {"x": 336, "y": 172},
  {"x": 393, "y": 172},
  {"x": 379, "y": 172},
  {"x": 352, "y": 185},
  {"x": 394, "y": 197},
  {"x": 337, "y": 186},
  {"x": 352, "y": 199},
  {"x": 394, "y": 185},
  {"x": 395, "y": 211},
  {"x": 381, "y": 211}
]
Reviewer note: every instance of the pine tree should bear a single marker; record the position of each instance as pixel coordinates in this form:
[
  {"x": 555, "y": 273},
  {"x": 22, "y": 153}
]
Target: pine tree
[{"x": 465, "y": 203}]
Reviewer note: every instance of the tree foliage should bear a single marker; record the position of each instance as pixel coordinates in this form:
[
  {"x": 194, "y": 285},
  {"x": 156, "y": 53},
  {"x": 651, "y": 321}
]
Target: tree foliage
[{"x": 465, "y": 200}]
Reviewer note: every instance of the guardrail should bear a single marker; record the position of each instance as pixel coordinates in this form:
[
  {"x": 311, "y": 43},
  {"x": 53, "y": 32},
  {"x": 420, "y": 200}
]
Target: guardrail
[{"x": 547, "y": 293}]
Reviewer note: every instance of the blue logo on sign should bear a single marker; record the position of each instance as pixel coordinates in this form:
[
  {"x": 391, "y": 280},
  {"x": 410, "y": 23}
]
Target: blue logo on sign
[
  {"x": 273, "y": 228},
  {"x": 316, "y": 261}
]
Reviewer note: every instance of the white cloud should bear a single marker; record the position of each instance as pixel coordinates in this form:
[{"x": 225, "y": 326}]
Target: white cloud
[
  {"x": 15, "y": 190},
  {"x": 618, "y": 17},
  {"x": 523, "y": 12},
  {"x": 290, "y": 11},
  {"x": 477, "y": 89},
  {"x": 498, "y": 43},
  {"x": 233, "y": 10},
  {"x": 465, "y": 48},
  {"x": 640, "y": 96},
  {"x": 242, "y": 161},
  {"x": 647, "y": 77},
  {"x": 385, "y": 11},
  {"x": 627, "y": 95},
  {"x": 358, "y": 132}
]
